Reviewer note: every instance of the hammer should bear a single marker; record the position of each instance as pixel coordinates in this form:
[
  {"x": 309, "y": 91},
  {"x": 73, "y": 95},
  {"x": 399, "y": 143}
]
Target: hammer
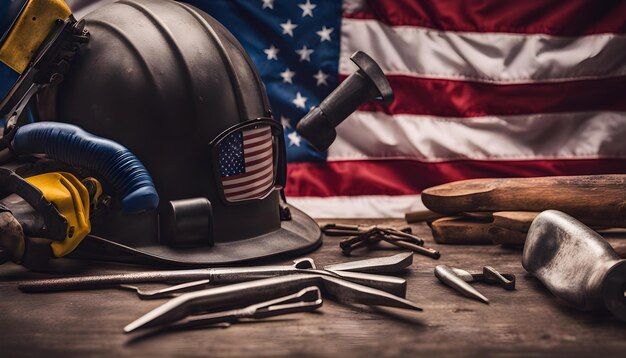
[
  {"x": 368, "y": 82},
  {"x": 575, "y": 263}
]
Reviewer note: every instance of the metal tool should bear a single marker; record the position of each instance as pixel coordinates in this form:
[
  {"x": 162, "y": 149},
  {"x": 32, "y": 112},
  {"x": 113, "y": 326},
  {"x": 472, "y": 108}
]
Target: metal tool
[
  {"x": 306, "y": 300},
  {"x": 575, "y": 263},
  {"x": 253, "y": 291},
  {"x": 394, "y": 285},
  {"x": 387, "y": 264},
  {"x": 368, "y": 82},
  {"x": 333, "y": 229},
  {"x": 448, "y": 276},
  {"x": 489, "y": 275},
  {"x": 166, "y": 292},
  {"x": 406, "y": 244},
  {"x": 367, "y": 236}
]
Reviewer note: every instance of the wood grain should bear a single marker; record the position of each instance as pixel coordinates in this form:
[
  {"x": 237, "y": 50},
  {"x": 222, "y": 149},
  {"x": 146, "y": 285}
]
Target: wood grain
[
  {"x": 421, "y": 216},
  {"x": 597, "y": 200},
  {"x": 502, "y": 227},
  {"x": 464, "y": 230},
  {"x": 526, "y": 322}
]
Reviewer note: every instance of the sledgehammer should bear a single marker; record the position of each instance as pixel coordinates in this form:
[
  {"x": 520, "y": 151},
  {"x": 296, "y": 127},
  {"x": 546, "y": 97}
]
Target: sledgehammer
[
  {"x": 575, "y": 263},
  {"x": 368, "y": 82}
]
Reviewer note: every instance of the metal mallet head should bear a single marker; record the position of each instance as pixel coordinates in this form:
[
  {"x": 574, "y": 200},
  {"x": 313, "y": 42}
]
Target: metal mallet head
[
  {"x": 575, "y": 263},
  {"x": 368, "y": 82}
]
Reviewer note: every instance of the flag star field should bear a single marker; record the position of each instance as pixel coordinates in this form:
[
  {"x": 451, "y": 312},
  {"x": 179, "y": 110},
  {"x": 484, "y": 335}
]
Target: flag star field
[{"x": 295, "y": 46}]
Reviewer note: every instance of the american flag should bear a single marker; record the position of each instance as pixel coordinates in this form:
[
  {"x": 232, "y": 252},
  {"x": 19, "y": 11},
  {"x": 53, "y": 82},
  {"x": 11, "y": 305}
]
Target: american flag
[
  {"x": 484, "y": 88},
  {"x": 246, "y": 164}
]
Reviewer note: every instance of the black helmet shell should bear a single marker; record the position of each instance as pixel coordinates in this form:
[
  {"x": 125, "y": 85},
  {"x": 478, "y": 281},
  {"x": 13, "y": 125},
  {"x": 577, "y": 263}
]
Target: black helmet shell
[{"x": 164, "y": 79}]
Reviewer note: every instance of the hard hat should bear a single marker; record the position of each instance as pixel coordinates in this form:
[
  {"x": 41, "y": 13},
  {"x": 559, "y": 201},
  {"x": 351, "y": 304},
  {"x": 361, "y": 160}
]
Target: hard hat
[{"x": 173, "y": 86}]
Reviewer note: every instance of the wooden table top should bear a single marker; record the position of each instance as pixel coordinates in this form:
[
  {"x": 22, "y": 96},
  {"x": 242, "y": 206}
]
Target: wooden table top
[{"x": 527, "y": 321}]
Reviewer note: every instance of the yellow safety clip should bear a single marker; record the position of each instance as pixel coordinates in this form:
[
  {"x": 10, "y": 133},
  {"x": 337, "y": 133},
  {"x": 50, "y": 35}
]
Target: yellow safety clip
[
  {"x": 30, "y": 30},
  {"x": 71, "y": 198}
]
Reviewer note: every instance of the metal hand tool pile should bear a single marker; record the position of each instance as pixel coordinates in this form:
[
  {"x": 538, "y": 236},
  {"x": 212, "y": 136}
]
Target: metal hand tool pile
[
  {"x": 360, "y": 236},
  {"x": 369, "y": 236},
  {"x": 251, "y": 292}
]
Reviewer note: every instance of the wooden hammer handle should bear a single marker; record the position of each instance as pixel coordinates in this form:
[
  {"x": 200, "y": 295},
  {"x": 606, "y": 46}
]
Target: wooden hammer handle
[{"x": 598, "y": 200}]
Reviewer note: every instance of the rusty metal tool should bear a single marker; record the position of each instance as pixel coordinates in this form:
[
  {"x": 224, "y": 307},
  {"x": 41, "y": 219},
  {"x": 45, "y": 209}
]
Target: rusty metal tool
[
  {"x": 489, "y": 275},
  {"x": 350, "y": 244},
  {"x": 367, "y": 236},
  {"x": 407, "y": 244},
  {"x": 448, "y": 276},
  {"x": 244, "y": 293},
  {"x": 306, "y": 300},
  {"x": 575, "y": 263},
  {"x": 224, "y": 275},
  {"x": 333, "y": 229}
]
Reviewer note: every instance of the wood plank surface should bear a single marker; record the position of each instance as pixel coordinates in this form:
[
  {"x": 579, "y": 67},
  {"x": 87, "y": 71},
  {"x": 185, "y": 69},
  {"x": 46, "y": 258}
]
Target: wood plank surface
[{"x": 526, "y": 322}]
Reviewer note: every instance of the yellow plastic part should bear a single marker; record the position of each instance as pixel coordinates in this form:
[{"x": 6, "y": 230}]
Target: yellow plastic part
[
  {"x": 71, "y": 199},
  {"x": 30, "y": 30},
  {"x": 96, "y": 197}
]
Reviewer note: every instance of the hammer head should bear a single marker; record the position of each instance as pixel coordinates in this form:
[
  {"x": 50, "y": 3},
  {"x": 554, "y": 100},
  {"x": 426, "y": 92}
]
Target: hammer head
[
  {"x": 382, "y": 88},
  {"x": 575, "y": 263}
]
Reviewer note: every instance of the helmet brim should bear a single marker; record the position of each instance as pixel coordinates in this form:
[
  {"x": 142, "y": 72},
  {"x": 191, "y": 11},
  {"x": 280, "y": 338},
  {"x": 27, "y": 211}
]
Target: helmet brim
[{"x": 297, "y": 236}]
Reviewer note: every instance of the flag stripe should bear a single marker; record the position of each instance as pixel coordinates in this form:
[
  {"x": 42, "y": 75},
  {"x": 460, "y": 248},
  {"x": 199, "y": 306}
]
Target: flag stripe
[
  {"x": 450, "y": 98},
  {"x": 246, "y": 188},
  {"x": 261, "y": 188},
  {"x": 252, "y": 139},
  {"x": 260, "y": 160},
  {"x": 257, "y": 151},
  {"x": 406, "y": 177},
  {"x": 362, "y": 206},
  {"x": 485, "y": 57},
  {"x": 255, "y": 132},
  {"x": 556, "y": 17},
  {"x": 254, "y": 175},
  {"x": 578, "y": 135}
]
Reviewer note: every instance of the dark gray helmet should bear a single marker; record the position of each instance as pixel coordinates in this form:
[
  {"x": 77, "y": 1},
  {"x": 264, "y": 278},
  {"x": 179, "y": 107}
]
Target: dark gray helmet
[{"x": 171, "y": 84}]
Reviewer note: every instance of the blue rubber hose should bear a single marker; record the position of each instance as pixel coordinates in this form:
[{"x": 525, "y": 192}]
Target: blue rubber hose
[{"x": 72, "y": 145}]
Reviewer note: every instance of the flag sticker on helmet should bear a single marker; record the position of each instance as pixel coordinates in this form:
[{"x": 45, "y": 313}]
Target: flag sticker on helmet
[{"x": 246, "y": 164}]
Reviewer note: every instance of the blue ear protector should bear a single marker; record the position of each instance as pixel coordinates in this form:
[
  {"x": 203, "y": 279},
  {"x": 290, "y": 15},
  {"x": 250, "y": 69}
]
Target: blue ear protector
[{"x": 72, "y": 145}]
